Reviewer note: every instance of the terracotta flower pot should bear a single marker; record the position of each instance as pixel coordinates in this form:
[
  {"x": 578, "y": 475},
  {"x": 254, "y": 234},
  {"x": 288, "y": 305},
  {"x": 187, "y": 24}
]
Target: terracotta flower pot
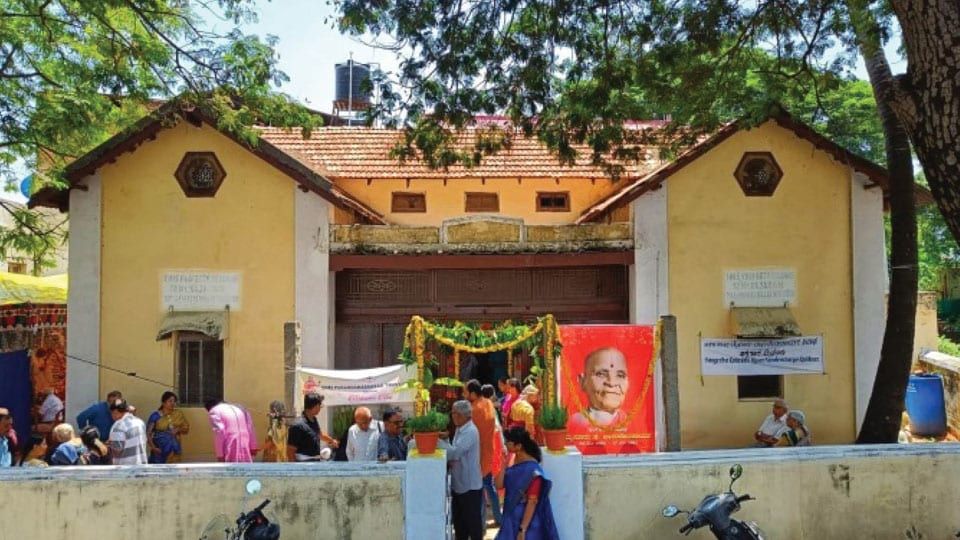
[
  {"x": 556, "y": 439},
  {"x": 426, "y": 442}
]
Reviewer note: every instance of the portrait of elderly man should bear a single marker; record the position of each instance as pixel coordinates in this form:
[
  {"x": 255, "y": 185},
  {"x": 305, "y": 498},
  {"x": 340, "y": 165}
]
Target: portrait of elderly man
[{"x": 605, "y": 381}]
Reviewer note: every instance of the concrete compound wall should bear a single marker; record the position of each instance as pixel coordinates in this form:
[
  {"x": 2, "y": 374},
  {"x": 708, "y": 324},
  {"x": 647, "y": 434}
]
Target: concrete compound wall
[
  {"x": 318, "y": 500},
  {"x": 878, "y": 492}
]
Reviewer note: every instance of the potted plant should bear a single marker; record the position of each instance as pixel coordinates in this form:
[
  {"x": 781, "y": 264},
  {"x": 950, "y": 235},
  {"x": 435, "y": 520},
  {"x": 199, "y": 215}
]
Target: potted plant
[
  {"x": 553, "y": 420},
  {"x": 426, "y": 430}
]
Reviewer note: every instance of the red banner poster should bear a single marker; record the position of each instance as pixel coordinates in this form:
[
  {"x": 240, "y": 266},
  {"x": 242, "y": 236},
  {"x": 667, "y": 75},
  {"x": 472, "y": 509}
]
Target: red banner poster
[{"x": 606, "y": 383}]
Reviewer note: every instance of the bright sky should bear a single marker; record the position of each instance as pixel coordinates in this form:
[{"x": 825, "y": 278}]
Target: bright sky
[{"x": 310, "y": 46}]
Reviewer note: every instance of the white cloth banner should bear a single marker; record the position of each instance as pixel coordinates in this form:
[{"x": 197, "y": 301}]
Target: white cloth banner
[
  {"x": 358, "y": 386},
  {"x": 785, "y": 356}
]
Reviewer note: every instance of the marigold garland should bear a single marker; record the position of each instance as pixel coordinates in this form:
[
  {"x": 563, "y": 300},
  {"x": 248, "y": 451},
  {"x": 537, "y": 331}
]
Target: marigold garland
[{"x": 515, "y": 335}]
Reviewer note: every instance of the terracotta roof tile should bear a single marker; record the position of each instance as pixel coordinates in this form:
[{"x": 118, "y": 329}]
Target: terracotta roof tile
[{"x": 364, "y": 153}]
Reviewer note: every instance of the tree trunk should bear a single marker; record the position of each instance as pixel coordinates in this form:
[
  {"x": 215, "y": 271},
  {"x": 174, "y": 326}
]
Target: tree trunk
[
  {"x": 882, "y": 421},
  {"x": 928, "y": 100}
]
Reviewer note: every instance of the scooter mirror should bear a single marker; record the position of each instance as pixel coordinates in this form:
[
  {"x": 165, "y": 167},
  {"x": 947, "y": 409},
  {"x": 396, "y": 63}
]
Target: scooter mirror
[
  {"x": 253, "y": 486},
  {"x": 735, "y": 472},
  {"x": 670, "y": 511}
]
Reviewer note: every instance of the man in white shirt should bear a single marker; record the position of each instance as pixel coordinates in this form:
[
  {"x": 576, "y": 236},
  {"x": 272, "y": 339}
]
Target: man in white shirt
[
  {"x": 363, "y": 437},
  {"x": 466, "y": 479},
  {"x": 773, "y": 426},
  {"x": 51, "y": 407}
]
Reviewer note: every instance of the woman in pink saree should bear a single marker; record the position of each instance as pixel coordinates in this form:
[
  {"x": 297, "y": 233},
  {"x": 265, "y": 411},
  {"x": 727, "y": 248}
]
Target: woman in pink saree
[{"x": 233, "y": 436}]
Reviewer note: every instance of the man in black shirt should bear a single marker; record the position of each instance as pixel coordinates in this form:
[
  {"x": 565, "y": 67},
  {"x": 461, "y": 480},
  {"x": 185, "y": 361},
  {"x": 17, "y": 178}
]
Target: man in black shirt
[{"x": 304, "y": 436}]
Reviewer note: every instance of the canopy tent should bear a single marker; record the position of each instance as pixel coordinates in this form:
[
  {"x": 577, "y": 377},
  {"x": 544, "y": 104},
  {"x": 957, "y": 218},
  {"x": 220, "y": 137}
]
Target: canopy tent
[
  {"x": 33, "y": 321},
  {"x": 24, "y": 289}
]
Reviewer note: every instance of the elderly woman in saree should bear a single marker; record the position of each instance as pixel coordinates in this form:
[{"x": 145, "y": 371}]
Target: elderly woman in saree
[
  {"x": 164, "y": 428},
  {"x": 527, "y": 514},
  {"x": 797, "y": 433}
]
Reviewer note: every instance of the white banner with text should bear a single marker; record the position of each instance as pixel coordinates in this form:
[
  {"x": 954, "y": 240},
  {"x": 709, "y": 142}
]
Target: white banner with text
[
  {"x": 359, "y": 386},
  {"x": 783, "y": 356}
]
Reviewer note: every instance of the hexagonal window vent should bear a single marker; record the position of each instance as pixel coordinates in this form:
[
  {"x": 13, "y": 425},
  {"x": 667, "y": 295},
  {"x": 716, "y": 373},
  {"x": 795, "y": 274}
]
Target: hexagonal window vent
[
  {"x": 758, "y": 174},
  {"x": 200, "y": 174}
]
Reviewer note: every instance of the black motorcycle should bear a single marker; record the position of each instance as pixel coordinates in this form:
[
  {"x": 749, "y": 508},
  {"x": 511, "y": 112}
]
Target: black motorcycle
[
  {"x": 715, "y": 511},
  {"x": 252, "y": 525}
]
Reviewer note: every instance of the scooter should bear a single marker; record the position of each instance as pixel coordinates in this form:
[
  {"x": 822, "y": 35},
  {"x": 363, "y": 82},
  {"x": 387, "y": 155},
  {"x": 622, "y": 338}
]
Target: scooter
[
  {"x": 252, "y": 525},
  {"x": 715, "y": 510}
]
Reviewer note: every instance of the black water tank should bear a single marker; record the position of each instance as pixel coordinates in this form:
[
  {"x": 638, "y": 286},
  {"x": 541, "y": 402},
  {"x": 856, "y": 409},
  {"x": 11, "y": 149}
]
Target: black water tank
[{"x": 361, "y": 73}]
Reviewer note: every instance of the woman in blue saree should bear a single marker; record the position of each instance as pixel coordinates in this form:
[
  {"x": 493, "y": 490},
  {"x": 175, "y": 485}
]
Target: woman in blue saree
[
  {"x": 164, "y": 428},
  {"x": 527, "y": 514}
]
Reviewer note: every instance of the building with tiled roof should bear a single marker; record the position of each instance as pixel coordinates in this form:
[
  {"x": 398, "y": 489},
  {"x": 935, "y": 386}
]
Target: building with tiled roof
[{"x": 175, "y": 220}]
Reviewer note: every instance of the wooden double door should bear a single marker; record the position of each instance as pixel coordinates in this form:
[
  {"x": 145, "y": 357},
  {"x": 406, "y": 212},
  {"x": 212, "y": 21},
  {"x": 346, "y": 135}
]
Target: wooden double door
[{"x": 373, "y": 307}]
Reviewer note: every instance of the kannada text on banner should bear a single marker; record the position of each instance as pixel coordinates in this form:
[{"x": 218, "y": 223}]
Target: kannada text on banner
[
  {"x": 786, "y": 356},
  {"x": 359, "y": 386},
  {"x": 606, "y": 385}
]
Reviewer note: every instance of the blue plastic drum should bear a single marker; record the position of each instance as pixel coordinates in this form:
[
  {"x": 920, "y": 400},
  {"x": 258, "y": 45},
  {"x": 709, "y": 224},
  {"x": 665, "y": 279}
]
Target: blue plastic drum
[{"x": 928, "y": 414}]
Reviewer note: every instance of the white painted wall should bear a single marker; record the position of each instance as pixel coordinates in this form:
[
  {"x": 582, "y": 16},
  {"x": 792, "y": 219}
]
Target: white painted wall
[
  {"x": 425, "y": 497},
  {"x": 83, "y": 298},
  {"x": 312, "y": 288},
  {"x": 649, "y": 297},
  {"x": 869, "y": 286},
  {"x": 566, "y": 496}
]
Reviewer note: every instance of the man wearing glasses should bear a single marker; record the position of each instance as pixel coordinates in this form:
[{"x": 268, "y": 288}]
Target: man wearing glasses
[{"x": 392, "y": 445}]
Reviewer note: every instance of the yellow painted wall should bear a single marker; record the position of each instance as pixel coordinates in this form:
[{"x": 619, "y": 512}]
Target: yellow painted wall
[
  {"x": 804, "y": 226},
  {"x": 517, "y": 199},
  {"x": 149, "y": 226}
]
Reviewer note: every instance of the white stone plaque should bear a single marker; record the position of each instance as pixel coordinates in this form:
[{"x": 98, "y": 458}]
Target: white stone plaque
[
  {"x": 760, "y": 288},
  {"x": 200, "y": 291}
]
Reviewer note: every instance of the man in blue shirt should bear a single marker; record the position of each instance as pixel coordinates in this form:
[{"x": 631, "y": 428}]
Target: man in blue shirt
[
  {"x": 98, "y": 415},
  {"x": 466, "y": 480},
  {"x": 392, "y": 446}
]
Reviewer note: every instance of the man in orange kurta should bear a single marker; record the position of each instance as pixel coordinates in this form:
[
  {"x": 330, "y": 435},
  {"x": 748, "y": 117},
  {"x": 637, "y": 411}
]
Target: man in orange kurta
[{"x": 485, "y": 418}]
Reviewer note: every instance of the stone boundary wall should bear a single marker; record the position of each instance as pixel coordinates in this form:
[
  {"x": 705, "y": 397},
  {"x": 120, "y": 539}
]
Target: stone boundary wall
[
  {"x": 878, "y": 492},
  {"x": 308, "y": 500},
  {"x": 949, "y": 368}
]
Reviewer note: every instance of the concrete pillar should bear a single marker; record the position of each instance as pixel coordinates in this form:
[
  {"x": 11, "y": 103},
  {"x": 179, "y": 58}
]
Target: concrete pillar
[
  {"x": 425, "y": 496},
  {"x": 83, "y": 299},
  {"x": 566, "y": 497},
  {"x": 292, "y": 356},
  {"x": 670, "y": 384}
]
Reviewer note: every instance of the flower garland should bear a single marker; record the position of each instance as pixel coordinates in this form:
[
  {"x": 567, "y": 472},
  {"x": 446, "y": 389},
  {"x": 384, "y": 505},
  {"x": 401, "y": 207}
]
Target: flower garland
[
  {"x": 638, "y": 404},
  {"x": 485, "y": 339}
]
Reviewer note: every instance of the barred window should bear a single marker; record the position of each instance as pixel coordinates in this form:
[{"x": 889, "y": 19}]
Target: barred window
[{"x": 199, "y": 368}]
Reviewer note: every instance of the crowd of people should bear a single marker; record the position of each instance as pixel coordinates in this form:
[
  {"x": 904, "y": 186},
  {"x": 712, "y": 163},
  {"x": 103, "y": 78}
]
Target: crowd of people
[
  {"x": 110, "y": 433},
  {"x": 485, "y": 458},
  {"x": 493, "y": 450}
]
